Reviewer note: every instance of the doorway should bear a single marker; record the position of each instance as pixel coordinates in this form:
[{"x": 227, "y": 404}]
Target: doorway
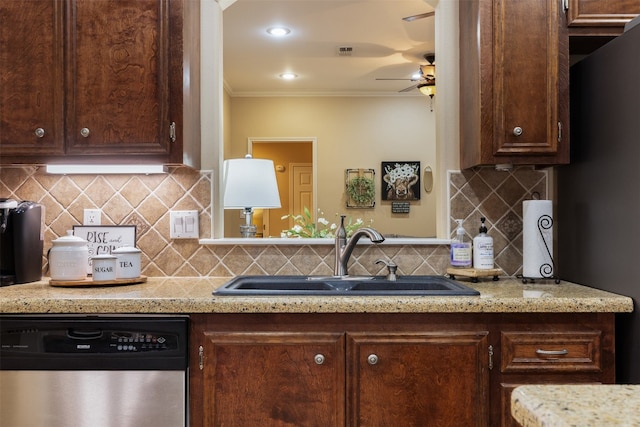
[{"x": 295, "y": 161}]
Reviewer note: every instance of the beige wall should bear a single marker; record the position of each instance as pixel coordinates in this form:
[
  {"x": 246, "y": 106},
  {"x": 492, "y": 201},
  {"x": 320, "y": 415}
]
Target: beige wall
[{"x": 352, "y": 133}]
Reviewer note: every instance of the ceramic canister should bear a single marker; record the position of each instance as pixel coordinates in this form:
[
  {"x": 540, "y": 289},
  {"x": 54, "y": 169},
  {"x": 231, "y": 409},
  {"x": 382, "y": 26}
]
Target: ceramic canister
[
  {"x": 68, "y": 258},
  {"x": 104, "y": 267},
  {"x": 128, "y": 264}
]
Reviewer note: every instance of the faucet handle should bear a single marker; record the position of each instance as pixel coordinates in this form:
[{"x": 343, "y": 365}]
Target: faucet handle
[{"x": 391, "y": 268}]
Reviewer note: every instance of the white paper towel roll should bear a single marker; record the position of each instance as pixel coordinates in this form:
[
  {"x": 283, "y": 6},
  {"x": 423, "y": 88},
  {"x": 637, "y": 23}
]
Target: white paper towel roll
[{"x": 537, "y": 230}]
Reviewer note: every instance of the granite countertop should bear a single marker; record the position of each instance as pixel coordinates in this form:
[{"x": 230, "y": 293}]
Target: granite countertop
[
  {"x": 194, "y": 295},
  {"x": 591, "y": 405}
]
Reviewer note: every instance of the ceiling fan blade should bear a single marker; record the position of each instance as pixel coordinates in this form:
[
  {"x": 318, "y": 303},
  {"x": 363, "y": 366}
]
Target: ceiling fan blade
[
  {"x": 410, "y": 80},
  {"x": 408, "y": 89},
  {"x": 418, "y": 16}
]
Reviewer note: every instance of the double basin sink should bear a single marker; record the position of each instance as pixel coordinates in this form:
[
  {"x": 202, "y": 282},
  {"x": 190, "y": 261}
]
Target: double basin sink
[{"x": 344, "y": 286}]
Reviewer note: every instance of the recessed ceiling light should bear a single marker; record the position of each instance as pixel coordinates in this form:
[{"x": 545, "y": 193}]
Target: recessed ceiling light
[
  {"x": 288, "y": 76},
  {"x": 278, "y": 31}
]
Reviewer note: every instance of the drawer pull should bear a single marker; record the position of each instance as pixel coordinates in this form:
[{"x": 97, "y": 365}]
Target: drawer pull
[
  {"x": 319, "y": 359},
  {"x": 552, "y": 352}
]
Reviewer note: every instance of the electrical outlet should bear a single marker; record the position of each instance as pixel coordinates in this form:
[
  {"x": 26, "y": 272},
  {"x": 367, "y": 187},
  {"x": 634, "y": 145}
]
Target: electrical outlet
[
  {"x": 184, "y": 225},
  {"x": 92, "y": 217}
]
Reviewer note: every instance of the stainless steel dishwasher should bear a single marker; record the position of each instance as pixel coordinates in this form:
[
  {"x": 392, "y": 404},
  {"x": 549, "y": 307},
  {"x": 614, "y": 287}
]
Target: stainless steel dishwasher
[{"x": 93, "y": 371}]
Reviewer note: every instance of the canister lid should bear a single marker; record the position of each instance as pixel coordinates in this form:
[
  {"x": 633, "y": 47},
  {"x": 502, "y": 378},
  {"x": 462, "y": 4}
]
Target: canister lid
[
  {"x": 126, "y": 250},
  {"x": 69, "y": 239},
  {"x": 103, "y": 256}
]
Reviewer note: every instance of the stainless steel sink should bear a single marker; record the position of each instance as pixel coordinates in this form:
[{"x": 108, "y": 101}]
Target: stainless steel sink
[{"x": 348, "y": 285}]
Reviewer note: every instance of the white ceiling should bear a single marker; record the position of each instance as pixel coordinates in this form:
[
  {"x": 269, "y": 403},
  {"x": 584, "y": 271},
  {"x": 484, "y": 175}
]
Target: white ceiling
[{"x": 384, "y": 46}]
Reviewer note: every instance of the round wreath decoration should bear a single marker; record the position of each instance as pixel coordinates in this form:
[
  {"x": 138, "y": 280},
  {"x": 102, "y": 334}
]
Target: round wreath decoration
[{"x": 361, "y": 190}]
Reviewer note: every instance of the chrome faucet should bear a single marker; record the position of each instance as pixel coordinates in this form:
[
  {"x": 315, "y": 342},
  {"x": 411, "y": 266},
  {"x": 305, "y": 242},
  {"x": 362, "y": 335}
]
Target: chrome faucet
[{"x": 344, "y": 247}]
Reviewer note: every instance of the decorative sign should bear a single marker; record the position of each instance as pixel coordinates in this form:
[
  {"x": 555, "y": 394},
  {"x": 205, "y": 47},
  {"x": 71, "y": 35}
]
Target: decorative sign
[
  {"x": 360, "y": 188},
  {"x": 105, "y": 238},
  {"x": 400, "y": 207},
  {"x": 400, "y": 181}
]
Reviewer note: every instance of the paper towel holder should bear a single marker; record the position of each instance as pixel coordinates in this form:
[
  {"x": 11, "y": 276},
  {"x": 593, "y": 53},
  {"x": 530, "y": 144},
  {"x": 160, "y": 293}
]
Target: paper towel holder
[{"x": 547, "y": 270}]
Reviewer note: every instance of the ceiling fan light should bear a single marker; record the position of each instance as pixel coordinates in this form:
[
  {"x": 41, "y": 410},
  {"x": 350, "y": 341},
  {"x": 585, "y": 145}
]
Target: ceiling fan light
[
  {"x": 427, "y": 89},
  {"x": 428, "y": 70}
]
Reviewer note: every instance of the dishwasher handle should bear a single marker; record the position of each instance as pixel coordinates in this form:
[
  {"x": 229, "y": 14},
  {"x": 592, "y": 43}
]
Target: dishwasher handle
[{"x": 84, "y": 334}]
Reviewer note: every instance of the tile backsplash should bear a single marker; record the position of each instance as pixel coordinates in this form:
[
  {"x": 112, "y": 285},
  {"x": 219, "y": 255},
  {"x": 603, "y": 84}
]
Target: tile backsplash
[{"x": 145, "y": 200}]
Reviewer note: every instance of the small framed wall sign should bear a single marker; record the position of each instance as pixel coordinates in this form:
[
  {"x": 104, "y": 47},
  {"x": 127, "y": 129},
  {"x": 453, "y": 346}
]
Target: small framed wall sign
[{"x": 105, "y": 238}]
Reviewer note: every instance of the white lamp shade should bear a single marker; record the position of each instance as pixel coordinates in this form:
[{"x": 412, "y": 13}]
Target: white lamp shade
[{"x": 250, "y": 183}]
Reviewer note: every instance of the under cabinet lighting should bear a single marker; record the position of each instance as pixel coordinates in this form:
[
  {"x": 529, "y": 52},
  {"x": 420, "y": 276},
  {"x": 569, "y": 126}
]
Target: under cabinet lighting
[{"x": 106, "y": 169}]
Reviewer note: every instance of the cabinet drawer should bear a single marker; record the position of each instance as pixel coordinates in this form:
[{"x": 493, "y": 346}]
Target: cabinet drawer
[{"x": 571, "y": 351}]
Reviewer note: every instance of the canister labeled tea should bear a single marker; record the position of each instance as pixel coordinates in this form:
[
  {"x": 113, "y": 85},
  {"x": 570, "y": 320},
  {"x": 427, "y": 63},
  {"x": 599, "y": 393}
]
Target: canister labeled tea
[{"x": 128, "y": 263}]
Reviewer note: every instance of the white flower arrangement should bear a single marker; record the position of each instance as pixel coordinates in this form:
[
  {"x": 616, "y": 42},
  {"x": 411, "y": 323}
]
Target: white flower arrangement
[{"x": 306, "y": 227}]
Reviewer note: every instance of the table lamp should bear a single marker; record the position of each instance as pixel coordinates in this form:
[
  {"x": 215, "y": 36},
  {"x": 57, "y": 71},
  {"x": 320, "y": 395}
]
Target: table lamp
[{"x": 249, "y": 183}]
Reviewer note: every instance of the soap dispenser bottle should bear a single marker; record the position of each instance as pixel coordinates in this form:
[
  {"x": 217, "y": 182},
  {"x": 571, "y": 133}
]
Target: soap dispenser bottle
[
  {"x": 482, "y": 248},
  {"x": 460, "y": 248}
]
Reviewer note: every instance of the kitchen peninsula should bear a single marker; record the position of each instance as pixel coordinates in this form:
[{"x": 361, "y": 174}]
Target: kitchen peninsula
[{"x": 353, "y": 359}]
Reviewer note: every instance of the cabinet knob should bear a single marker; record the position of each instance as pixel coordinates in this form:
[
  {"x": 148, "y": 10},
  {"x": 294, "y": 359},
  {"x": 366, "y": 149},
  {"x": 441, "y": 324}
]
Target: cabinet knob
[
  {"x": 85, "y": 132},
  {"x": 319, "y": 359},
  {"x": 517, "y": 131},
  {"x": 39, "y": 132},
  {"x": 372, "y": 359}
]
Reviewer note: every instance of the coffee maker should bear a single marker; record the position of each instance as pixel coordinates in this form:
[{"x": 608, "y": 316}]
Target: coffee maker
[{"x": 21, "y": 242}]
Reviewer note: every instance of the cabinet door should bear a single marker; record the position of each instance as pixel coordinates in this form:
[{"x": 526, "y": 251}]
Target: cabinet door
[
  {"x": 514, "y": 70},
  {"x": 530, "y": 78},
  {"x": 601, "y": 17},
  {"x": 118, "y": 86},
  {"x": 31, "y": 77},
  {"x": 273, "y": 379},
  {"x": 417, "y": 379}
]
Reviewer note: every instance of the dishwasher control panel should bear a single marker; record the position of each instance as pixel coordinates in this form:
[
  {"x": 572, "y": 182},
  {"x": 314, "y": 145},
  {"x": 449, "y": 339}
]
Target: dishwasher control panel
[
  {"x": 141, "y": 341},
  {"x": 86, "y": 340},
  {"x": 90, "y": 342}
]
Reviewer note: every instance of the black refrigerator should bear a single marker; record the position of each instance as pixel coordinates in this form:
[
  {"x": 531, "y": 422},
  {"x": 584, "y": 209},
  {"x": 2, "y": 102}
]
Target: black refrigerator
[{"x": 598, "y": 197}]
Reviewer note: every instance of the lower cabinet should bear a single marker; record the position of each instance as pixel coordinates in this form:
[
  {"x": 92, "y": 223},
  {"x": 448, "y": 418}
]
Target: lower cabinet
[
  {"x": 417, "y": 379},
  {"x": 371, "y": 369},
  {"x": 556, "y": 350}
]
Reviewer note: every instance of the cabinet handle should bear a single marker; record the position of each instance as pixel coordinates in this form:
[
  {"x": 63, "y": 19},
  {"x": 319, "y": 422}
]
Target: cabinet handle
[
  {"x": 172, "y": 131},
  {"x": 372, "y": 359},
  {"x": 490, "y": 357},
  {"x": 201, "y": 357},
  {"x": 559, "y": 131},
  {"x": 39, "y": 132},
  {"x": 319, "y": 359},
  {"x": 552, "y": 352},
  {"x": 85, "y": 132},
  {"x": 517, "y": 131}
]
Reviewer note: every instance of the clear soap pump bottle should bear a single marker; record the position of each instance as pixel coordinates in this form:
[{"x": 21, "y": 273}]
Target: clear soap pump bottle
[
  {"x": 460, "y": 248},
  {"x": 482, "y": 248}
]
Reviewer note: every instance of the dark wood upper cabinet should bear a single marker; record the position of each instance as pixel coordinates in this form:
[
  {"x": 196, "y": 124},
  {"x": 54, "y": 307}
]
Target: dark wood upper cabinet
[
  {"x": 93, "y": 81},
  {"x": 600, "y": 18},
  {"x": 513, "y": 83},
  {"x": 32, "y": 77}
]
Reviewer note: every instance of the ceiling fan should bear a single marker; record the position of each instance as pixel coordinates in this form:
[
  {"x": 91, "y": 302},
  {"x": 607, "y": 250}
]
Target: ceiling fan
[
  {"x": 418, "y": 16},
  {"x": 426, "y": 75}
]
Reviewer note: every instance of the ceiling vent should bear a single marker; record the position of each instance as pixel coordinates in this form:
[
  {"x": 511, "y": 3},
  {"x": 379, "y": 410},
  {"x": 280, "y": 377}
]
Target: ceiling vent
[{"x": 345, "y": 51}]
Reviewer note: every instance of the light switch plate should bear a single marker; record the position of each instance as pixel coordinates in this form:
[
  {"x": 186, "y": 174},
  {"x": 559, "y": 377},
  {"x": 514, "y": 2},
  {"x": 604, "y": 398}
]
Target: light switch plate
[{"x": 184, "y": 225}]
